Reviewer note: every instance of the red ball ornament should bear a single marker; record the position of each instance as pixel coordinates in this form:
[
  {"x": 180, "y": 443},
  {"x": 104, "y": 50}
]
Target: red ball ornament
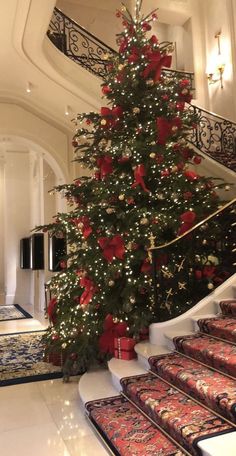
[
  {"x": 55, "y": 337},
  {"x": 63, "y": 264},
  {"x": 74, "y": 143},
  {"x": 188, "y": 217},
  {"x": 188, "y": 195},
  {"x": 118, "y": 13},
  {"x": 197, "y": 160},
  {"x": 198, "y": 275},
  {"x": 106, "y": 90},
  {"x": 73, "y": 356},
  {"x": 146, "y": 26}
]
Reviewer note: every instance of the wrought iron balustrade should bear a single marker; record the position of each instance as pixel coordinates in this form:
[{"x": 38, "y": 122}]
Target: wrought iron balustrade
[
  {"x": 87, "y": 50},
  {"x": 214, "y": 136},
  {"x": 78, "y": 44},
  {"x": 190, "y": 267}
]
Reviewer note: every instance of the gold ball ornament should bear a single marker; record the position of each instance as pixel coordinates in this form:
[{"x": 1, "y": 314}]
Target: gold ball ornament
[
  {"x": 227, "y": 188},
  {"x": 174, "y": 129},
  {"x": 210, "y": 286},
  {"x": 174, "y": 169},
  {"x": 111, "y": 283},
  {"x": 136, "y": 110},
  {"x": 121, "y": 197},
  {"x": 120, "y": 67},
  {"x": 149, "y": 82},
  {"x": 103, "y": 122},
  {"x": 105, "y": 56},
  {"x": 110, "y": 210},
  {"x": 80, "y": 225},
  {"x": 144, "y": 221},
  {"x": 132, "y": 299},
  {"x": 152, "y": 155}
]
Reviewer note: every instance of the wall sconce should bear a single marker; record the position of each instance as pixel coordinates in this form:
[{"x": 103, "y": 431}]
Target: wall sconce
[{"x": 219, "y": 66}]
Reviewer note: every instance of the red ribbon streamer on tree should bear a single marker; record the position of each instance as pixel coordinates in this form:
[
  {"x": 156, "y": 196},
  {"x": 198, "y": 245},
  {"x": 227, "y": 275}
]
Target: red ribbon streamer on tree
[
  {"x": 111, "y": 330},
  {"x": 51, "y": 310},
  {"x": 164, "y": 127},
  {"x": 157, "y": 62},
  {"x": 105, "y": 165},
  {"x": 112, "y": 247},
  {"x": 89, "y": 290},
  {"x": 111, "y": 115},
  {"x": 139, "y": 173},
  {"x": 86, "y": 230}
]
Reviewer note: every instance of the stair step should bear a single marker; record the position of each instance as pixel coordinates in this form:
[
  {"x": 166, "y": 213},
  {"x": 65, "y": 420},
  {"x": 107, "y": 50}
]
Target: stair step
[
  {"x": 126, "y": 431},
  {"x": 145, "y": 350},
  {"x": 185, "y": 420},
  {"x": 195, "y": 319},
  {"x": 228, "y": 307},
  {"x": 171, "y": 334},
  {"x": 222, "y": 327},
  {"x": 211, "y": 388},
  {"x": 96, "y": 385},
  {"x": 212, "y": 352},
  {"x": 120, "y": 368}
]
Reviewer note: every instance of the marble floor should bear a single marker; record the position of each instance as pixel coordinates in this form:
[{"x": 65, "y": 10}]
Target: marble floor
[{"x": 44, "y": 418}]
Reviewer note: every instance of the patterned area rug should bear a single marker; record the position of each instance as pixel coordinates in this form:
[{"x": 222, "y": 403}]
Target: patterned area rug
[
  {"x": 228, "y": 307},
  {"x": 223, "y": 327},
  {"x": 14, "y": 312},
  {"x": 213, "y": 352},
  {"x": 207, "y": 386},
  {"x": 185, "y": 420},
  {"x": 22, "y": 359},
  {"x": 127, "y": 431}
]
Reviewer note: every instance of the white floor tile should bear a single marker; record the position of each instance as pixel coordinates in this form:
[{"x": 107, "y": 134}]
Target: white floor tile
[
  {"x": 57, "y": 391},
  {"x": 86, "y": 446},
  {"x": 23, "y": 410},
  {"x": 37, "y": 440},
  {"x": 70, "y": 420},
  {"x": 27, "y": 324}
]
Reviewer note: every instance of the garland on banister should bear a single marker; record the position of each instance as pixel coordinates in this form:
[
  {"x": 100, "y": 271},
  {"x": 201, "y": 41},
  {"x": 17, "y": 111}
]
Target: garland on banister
[{"x": 143, "y": 181}]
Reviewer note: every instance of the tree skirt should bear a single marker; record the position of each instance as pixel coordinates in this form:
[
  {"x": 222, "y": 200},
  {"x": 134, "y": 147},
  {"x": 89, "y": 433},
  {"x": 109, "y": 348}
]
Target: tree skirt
[
  {"x": 210, "y": 351},
  {"x": 228, "y": 307},
  {"x": 185, "y": 420},
  {"x": 204, "y": 384},
  {"x": 14, "y": 312},
  {"x": 126, "y": 431},
  {"x": 222, "y": 327},
  {"x": 22, "y": 359}
]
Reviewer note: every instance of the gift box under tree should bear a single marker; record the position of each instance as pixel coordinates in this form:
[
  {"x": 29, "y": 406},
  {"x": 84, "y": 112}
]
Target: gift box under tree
[{"x": 124, "y": 348}]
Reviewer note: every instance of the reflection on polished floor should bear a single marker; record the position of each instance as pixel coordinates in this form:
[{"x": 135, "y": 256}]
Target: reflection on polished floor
[{"x": 43, "y": 418}]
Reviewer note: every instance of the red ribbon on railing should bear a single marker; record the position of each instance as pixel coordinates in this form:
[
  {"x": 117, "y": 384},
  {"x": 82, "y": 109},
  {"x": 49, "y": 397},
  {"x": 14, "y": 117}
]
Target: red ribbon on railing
[
  {"x": 89, "y": 290},
  {"x": 105, "y": 165},
  {"x": 139, "y": 173},
  {"x": 111, "y": 330},
  {"x": 111, "y": 116},
  {"x": 156, "y": 62},
  {"x": 112, "y": 247},
  {"x": 165, "y": 128}
]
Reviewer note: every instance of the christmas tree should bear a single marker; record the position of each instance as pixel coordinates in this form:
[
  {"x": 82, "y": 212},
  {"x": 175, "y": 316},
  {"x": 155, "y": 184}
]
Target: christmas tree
[{"x": 143, "y": 184}]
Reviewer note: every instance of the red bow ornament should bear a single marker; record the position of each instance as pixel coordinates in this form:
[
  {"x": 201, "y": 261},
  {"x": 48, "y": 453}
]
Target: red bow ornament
[
  {"x": 167, "y": 128},
  {"x": 111, "y": 330},
  {"x": 89, "y": 290},
  {"x": 156, "y": 62},
  {"x": 105, "y": 165},
  {"x": 112, "y": 247},
  {"x": 111, "y": 117},
  {"x": 139, "y": 173}
]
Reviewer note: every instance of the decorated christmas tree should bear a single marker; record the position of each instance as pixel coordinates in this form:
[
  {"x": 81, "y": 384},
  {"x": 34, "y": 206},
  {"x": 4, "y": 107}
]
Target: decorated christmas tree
[{"x": 143, "y": 183}]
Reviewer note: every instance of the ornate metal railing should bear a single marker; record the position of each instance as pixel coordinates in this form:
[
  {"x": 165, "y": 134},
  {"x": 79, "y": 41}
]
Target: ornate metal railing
[
  {"x": 188, "y": 268},
  {"x": 78, "y": 44},
  {"x": 214, "y": 136},
  {"x": 87, "y": 50}
]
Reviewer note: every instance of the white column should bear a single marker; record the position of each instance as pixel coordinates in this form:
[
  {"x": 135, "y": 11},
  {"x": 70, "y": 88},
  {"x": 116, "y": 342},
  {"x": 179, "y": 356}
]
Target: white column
[{"x": 2, "y": 189}]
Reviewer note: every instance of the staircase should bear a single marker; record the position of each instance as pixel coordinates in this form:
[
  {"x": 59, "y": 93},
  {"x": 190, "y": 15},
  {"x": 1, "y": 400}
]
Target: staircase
[{"x": 179, "y": 398}]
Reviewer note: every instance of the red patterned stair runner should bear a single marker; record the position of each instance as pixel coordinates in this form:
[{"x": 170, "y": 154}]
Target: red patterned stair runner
[
  {"x": 210, "y": 351},
  {"x": 223, "y": 327},
  {"x": 127, "y": 431},
  {"x": 228, "y": 307},
  {"x": 215, "y": 390},
  {"x": 185, "y": 420}
]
